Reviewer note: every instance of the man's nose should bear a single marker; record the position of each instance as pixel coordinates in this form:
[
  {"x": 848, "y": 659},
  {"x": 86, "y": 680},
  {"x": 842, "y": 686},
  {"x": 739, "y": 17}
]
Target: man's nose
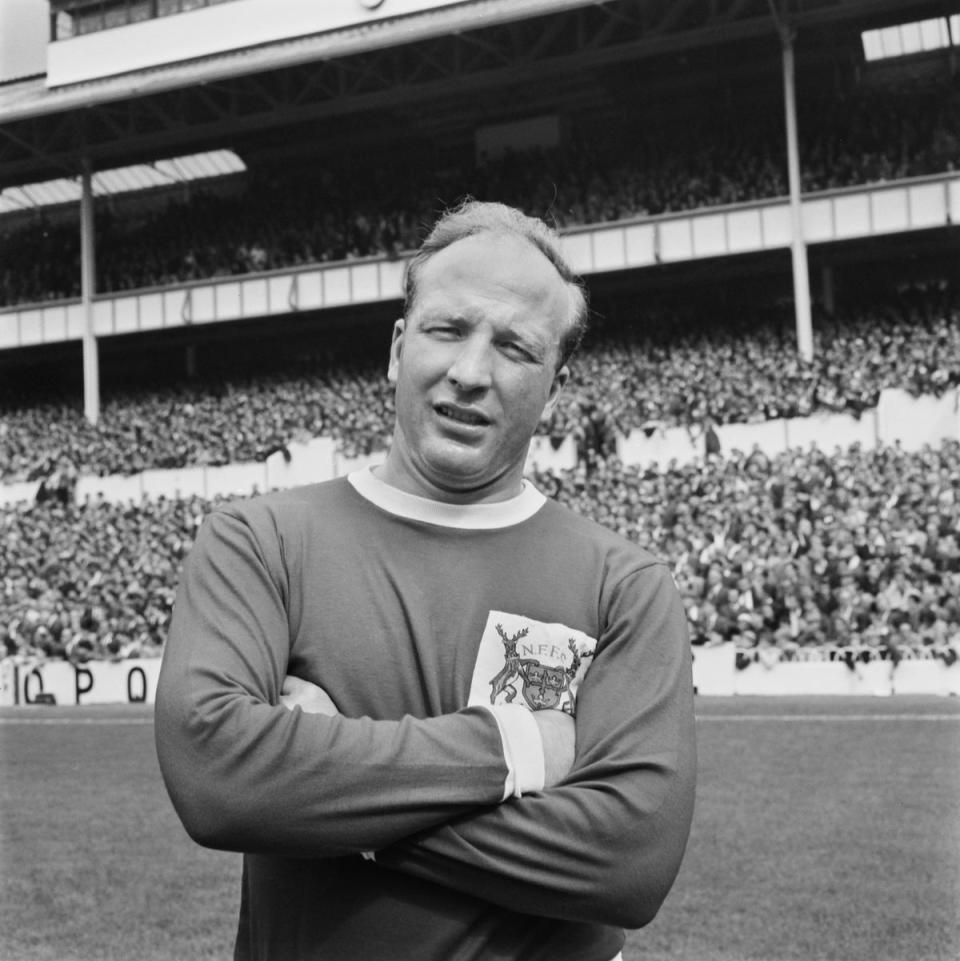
[{"x": 470, "y": 368}]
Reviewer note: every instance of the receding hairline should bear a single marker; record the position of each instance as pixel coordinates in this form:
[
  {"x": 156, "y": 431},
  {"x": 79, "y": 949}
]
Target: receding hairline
[
  {"x": 474, "y": 219},
  {"x": 498, "y": 234}
]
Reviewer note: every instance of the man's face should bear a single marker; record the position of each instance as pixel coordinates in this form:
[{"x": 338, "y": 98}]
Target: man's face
[{"x": 474, "y": 367}]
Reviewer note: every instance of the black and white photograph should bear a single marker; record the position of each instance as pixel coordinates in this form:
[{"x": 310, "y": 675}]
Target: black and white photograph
[{"x": 480, "y": 480}]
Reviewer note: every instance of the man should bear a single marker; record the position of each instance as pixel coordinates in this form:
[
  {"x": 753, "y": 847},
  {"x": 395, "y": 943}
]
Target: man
[{"x": 442, "y": 716}]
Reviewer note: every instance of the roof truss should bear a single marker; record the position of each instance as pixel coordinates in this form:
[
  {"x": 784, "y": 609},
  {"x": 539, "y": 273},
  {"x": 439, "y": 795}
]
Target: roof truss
[{"x": 538, "y": 49}]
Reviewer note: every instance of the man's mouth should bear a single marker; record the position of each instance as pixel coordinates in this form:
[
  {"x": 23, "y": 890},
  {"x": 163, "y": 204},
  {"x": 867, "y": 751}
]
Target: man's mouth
[{"x": 462, "y": 415}]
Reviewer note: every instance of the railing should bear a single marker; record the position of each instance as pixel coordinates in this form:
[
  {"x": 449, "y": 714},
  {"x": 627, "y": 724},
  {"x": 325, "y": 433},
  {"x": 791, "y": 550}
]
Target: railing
[
  {"x": 868, "y": 211},
  {"x": 825, "y": 670},
  {"x": 28, "y": 680},
  {"x": 899, "y": 418}
]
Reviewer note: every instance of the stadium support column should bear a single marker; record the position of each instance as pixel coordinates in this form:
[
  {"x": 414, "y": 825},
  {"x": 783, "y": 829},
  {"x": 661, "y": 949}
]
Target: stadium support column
[
  {"x": 801, "y": 274},
  {"x": 827, "y": 289},
  {"x": 91, "y": 360}
]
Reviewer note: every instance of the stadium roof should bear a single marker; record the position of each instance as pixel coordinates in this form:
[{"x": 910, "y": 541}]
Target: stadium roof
[
  {"x": 163, "y": 173},
  {"x": 542, "y": 51},
  {"x": 904, "y": 39},
  {"x": 33, "y": 97}
]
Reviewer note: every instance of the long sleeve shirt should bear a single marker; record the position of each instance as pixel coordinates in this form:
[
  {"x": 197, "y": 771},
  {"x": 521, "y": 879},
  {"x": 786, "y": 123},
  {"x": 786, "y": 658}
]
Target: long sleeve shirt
[{"x": 422, "y": 620}]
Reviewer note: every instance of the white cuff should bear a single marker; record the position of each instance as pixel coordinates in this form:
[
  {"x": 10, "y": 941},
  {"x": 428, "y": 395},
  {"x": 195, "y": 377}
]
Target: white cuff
[{"x": 522, "y": 749}]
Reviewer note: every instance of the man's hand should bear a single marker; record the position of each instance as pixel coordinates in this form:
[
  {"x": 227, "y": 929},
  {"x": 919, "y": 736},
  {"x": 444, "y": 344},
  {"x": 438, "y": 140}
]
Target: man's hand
[
  {"x": 309, "y": 697},
  {"x": 558, "y": 733}
]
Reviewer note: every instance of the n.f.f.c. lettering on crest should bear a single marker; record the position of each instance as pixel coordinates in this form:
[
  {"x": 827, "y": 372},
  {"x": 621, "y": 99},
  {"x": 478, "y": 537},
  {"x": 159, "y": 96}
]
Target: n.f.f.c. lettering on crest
[{"x": 528, "y": 662}]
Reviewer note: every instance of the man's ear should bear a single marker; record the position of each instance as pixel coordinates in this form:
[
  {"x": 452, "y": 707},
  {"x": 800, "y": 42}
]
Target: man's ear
[
  {"x": 559, "y": 379},
  {"x": 396, "y": 345}
]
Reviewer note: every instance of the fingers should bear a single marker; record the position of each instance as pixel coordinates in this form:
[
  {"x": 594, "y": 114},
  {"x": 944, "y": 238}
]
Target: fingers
[{"x": 309, "y": 697}]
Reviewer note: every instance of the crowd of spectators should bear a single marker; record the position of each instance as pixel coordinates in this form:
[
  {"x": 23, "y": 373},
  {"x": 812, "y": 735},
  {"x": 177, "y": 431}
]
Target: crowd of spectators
[
  {"x": 359, "y": 206},
  {"x": 776, "y": 554},
  {"x": 94, "y": 580},
  {"x": 198, "y": 424},
  {"x": 668, "y": 370},
  {"x": 680, "y": 371},
  {"x": 856, "y": 549}
]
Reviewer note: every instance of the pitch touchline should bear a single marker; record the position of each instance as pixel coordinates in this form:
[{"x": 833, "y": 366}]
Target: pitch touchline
[
  {"x": 828, "y": 717},
  {"x": 76, "y": 720}
]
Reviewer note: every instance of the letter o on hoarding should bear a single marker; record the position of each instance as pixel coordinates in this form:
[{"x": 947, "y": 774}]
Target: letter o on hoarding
[
  {"x": 27, "y": 696},
  {"x": 140, "y": 695}
]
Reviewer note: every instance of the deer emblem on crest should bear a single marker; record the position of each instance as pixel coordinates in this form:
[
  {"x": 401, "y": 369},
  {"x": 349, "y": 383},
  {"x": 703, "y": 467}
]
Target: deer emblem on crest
[
  {"x": 511, "y": 665},
  {"x": 544, "y": 685},
  {"x": 571, "y": 671}
]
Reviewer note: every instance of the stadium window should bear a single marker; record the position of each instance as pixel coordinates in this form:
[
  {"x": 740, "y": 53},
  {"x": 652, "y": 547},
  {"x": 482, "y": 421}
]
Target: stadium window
[
  {"x": 912, "y": 38},
  {"x": 175, "y": 171},
  {"x": 115, "y": 16},
  {"x": 140, "y": 10},
  {"x": 934, "y": 34},
  {"x": 89, "y": 20},
  {"x": 61, "y": 26},
  {"x": 905, "y": 39},
  {"x": 78, "y": 17},
  {"x": 872, "y": 48}
]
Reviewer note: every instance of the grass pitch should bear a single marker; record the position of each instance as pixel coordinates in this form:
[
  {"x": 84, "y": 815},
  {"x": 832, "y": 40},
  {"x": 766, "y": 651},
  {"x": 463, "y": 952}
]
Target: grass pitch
[{"x": 827, "y": 829}]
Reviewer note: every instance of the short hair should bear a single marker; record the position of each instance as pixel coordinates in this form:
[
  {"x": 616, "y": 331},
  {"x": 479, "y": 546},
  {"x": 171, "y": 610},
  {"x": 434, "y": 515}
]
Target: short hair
[{"x": 476, "y": 217}]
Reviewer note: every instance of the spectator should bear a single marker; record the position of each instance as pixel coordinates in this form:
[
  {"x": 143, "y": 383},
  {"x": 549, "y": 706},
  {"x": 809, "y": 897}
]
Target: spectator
[
  {"x": 290, "y": 216},
  {"x": 679, "y": 374}
]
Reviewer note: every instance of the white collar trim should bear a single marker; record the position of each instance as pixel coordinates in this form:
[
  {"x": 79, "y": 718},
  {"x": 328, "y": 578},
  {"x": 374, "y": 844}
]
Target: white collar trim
[{"x": 475, "y": 517}]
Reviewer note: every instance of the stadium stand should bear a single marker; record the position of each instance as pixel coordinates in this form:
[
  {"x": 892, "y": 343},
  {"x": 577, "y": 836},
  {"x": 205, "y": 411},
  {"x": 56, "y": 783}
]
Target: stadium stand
[
  {"x": 94, "y": 580},
  {"x": 295, "y": 214},
  {"x": 850, "y": 554},
  {"x": 801, "y": 549},
  {"x": 843, "y": 550},
  {"x": 669, "y": 369}
]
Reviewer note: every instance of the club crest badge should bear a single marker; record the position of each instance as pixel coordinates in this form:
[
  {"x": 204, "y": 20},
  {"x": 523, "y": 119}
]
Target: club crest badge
[{"x": 528, "y": 662}]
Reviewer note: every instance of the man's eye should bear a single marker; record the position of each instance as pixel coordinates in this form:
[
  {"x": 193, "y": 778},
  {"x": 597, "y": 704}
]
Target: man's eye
[{"x": 516, "y": 351}]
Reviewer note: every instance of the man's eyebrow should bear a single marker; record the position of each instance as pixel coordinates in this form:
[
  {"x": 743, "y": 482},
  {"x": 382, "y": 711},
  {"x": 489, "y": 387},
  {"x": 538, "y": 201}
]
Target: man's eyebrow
[
  {"x": 432, "y": 315},
  {"x": 537, "y": 347},
  {"x": 532, "y": 343},
  {"x": 529, "y": 341}
]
